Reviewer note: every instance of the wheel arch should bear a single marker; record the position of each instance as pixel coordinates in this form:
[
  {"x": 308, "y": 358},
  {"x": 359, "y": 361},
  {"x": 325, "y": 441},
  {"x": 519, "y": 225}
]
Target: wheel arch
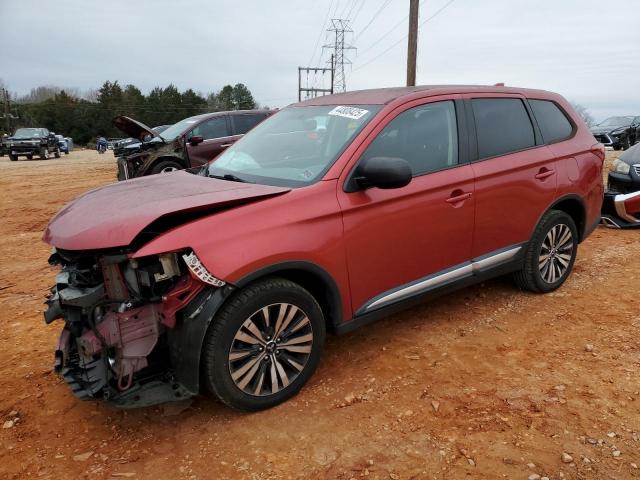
[
  {"x": 313, "y": 278},
  {"x": 152, "y": 162},
  {"x": 574, "y": 206}
]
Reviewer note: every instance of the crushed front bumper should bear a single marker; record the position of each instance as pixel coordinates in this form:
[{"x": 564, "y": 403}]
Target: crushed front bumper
[{"x": 621, "y": 210}]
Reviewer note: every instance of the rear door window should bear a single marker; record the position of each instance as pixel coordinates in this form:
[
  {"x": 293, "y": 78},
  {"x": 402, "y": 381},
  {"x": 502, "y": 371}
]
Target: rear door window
[
  {"x": 215, "y": 127},
  {"x": 243, "y": 123},
  {"x": 553, "y": 123},
  {"x": 502, "y": 125},
  {"x": 425, "y": 136}
]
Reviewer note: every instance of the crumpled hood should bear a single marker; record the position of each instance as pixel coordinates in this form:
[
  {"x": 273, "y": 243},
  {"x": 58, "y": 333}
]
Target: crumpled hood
[
  {"x": 112, "y": 216},
  {"x": 133, "y": 128}
]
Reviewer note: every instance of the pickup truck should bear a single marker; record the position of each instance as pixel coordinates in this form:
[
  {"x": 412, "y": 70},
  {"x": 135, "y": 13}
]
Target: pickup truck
[{"x": 28, "y": 142}]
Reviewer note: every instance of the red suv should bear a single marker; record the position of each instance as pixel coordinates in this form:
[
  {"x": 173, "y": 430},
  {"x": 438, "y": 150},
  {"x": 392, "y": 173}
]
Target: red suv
[{"x": 330, "y": 214}]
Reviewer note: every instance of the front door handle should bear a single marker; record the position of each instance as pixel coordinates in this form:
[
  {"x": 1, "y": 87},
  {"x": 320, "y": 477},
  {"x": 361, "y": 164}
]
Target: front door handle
[
  {"x": 458, "y": 196},
  {"x": 545, "y": 173}
]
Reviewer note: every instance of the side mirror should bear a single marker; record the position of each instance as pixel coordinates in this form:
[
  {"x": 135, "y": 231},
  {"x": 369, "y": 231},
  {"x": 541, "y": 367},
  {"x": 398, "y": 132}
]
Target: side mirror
[
  {"x": 196, "y": 139},
  {"x": 383, "y": 172}
]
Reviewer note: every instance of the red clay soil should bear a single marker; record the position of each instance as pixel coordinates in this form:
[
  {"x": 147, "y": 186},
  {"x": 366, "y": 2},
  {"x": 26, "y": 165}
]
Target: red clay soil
[{"x": 486, "y": 383}]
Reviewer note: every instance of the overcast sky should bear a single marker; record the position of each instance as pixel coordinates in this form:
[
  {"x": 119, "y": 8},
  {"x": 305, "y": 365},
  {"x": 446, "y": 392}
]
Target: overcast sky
[{"x": 587, "y": 50}]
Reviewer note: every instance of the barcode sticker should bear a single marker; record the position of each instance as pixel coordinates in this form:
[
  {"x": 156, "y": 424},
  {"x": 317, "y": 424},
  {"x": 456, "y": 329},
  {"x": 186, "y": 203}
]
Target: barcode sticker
[{"x": 349, "y": 112}]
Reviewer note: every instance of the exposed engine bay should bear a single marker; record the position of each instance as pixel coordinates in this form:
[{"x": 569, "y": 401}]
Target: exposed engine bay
[{"x": 121, "y": 314}]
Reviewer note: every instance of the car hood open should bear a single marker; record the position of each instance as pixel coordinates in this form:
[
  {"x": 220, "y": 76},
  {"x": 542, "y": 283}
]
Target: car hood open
[
  {"x": 112, "y": 216},
  {"x": 132, "y": 128}
]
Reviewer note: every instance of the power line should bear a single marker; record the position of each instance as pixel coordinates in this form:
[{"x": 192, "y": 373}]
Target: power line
[
  {"x": 355, "y": 17},
  {"x": 324, "y": 24},
  {"x": 384, "y": 5},
  {"x": 353, "y": 4},
  {"x": 403, "y": 38},
  {"x": 385, "y": 35}
]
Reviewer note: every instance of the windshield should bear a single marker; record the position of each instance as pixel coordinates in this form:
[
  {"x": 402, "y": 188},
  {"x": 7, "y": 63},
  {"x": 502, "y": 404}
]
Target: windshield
[
  {"x": 294, "y": 147},
  {"x": 175, "y": 130},
  {"x": 28, "y": 133},
  {"x": 616, "y": 122}
]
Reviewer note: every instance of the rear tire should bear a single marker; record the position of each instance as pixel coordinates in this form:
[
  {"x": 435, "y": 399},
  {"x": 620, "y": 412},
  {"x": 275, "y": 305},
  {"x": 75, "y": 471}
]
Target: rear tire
[
  {"x": 550, "y": 255},
  {"x": 57, "y": 153},
  {"x": 29, "y": 157},
  {"x": 254, "y": 360},
  {"x": 166, "y": 166}
]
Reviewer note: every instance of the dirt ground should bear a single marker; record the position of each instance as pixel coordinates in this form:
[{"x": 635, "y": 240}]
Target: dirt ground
[{"x": 486, "y": 383}]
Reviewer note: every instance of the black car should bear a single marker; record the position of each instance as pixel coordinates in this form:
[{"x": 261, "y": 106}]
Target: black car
[
  {"x": 618, "y": 132},
  {"x": 32, "y": 141},
  {"x": 621, "y": 206}
]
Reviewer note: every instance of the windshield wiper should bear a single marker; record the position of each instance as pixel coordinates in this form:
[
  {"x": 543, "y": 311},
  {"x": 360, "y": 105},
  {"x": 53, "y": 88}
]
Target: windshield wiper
[{"x": 230, "y": 177}]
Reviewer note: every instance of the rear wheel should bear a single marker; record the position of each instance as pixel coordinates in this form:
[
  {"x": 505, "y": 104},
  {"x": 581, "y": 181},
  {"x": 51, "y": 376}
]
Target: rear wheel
[
  {"x": 29, "y": 157},
  {"x": 166, "y": 166},
  {"x": 550, "y": 254},
  {"x": 263, "y": 345},
  {"x": 57, "y": 153}
]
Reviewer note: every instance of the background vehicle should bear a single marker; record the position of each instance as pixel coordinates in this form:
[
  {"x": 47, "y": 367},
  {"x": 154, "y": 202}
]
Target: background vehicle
[
  {"x": 131, "y": 145},
  {"x": 191, "y": 142},
  {"x": 63, "y": 144},
  {"x": 232, "y": 275},
  {"x": 621, "y": 206},
  {"x": 28, "y": 142},
  {"x": 3, "y": 145},
  {"x": 618, "y": 132}
]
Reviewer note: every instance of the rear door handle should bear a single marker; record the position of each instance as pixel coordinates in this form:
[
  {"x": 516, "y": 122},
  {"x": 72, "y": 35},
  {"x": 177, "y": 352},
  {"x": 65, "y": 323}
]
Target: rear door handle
[
  {"x": 457, "y": 197},
  {"x": 224, "y": 145},
  {"x": 545, "y": 173}
]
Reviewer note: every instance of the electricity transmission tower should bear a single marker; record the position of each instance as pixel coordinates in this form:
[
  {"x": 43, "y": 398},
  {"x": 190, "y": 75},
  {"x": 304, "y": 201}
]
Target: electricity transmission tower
[{"x": 339, "y": 27}]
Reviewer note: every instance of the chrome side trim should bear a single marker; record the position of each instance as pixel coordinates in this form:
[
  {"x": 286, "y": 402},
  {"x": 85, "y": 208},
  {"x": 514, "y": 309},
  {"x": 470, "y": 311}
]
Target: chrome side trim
[
  {"x": 618, "y": 202},
  {"x": 421, "y": 286},
  {"x": 494, "y": 259},
  {"x": 431, "y": 282}
]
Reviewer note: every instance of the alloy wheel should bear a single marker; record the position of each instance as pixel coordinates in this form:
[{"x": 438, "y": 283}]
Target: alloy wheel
[
  {"x": 168, "y": 169},
  {"x": 556, "y": 253},
  {"x": 270, "y": 349}
]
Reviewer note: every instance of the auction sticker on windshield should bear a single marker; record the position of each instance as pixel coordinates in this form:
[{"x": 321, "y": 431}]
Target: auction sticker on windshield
[{"x": 349, "y": 112}]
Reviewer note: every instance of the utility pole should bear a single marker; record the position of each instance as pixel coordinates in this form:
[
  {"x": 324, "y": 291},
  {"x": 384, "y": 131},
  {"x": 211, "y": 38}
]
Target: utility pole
[
  {"x": 312, "y": 91},
  {"x": 412, "y": 47},
  {"x": 7, "y": 116},
  {"x": 339, "y": 27}
]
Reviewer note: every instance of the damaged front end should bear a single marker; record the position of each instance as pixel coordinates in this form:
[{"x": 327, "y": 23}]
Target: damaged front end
[
  {"x": 133, "y": 327},
  {"x": 621, "y": 210}
]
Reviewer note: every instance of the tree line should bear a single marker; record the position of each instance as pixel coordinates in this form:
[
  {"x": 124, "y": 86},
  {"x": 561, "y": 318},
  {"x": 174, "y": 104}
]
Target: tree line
[{"x": 65, "y": 112}]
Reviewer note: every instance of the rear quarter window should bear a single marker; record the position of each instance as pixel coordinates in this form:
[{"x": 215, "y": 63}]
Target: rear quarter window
[
  {"x": 502, "y": 125},
  {"x": 552, "y": 121}
]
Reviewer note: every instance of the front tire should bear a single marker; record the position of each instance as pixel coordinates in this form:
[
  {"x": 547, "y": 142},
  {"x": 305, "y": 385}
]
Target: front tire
[
  {"x": 44, "y": 153},
  {"x": 550, "y": 254},
  {"x": 29, "y": 157},
  {"x": 57, "y": 153},
  {"x": 166, "y": 166},
  {"x": 13, "y": 158},
  {"x": 264, "y": 345}
]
